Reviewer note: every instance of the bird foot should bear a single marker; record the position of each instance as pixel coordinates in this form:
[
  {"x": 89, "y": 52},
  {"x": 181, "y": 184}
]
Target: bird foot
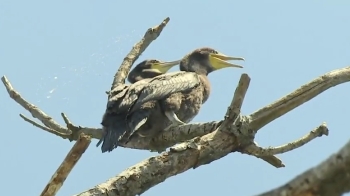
[{"x": 174, "y": 119}]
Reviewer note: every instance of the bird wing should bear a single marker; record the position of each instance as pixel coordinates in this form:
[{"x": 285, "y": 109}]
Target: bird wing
[
  {"x": 152, "y": 89},
  {"x": 162, "y": 86},
  {"x": 122, "y": 98}
]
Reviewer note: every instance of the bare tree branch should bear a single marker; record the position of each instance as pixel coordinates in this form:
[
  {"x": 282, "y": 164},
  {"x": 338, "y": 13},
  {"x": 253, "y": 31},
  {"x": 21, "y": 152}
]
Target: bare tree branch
[
  {"x": 41, "y": 126},
  {"x": 151, "y": 35},
  {"x": 301, "y": 95},
  {"x": 234, "y": 109},
  {"x": 66, "y": 166},
  {"x": 329, "y": 178},
  {"x": 317, "y": 132},
  {"x": 37, "y": 113}
]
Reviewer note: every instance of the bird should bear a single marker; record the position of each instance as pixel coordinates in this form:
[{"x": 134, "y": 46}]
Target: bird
[
  {"x": 152, "y": 105},
  {"x": 142, "y": 72},
  {"x": 150, "y": 68},
  {"x": 181, "y": 107}
]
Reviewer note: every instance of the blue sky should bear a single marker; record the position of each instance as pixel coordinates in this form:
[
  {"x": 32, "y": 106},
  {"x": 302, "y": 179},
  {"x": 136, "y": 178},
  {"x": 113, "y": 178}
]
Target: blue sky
[{"x": 74, "y": 49}]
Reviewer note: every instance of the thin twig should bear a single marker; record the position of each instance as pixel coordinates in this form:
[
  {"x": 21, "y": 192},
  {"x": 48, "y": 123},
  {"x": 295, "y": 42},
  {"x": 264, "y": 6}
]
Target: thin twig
[
  {"x": 35, "y": 111},
  {"x": 66, "y": 166},
  {"x": 151, "y": 35},
  {"x": 42, "y": 126},
  {"x": 317, "y": 132},
  {"x": 301, "y": 95}
]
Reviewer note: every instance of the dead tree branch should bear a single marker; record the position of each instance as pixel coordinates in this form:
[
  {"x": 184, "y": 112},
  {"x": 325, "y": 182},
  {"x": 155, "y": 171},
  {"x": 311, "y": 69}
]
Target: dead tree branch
[
  {"x": 329, "y": 178},
  {"x": 318, "y": 132},
  {"x": 66, "y": 166},
  {"x": 303, "y": 94},
  {"x": 151, "y": 35}
]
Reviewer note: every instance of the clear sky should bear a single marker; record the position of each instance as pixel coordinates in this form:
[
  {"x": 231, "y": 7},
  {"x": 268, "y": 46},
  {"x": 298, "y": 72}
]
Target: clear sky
[{"x": 74, "y": 49}]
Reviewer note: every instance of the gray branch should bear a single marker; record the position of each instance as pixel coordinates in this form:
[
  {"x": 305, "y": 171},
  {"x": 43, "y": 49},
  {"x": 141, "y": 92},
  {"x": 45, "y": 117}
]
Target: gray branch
[
  {"x": 303, "y": 94},
  {"x": 150, "y": 35},
  {"x": 317, "y": 132}
]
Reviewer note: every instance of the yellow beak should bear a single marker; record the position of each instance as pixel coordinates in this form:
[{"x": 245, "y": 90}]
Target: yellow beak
[
  {"x": 219, "y": 61},
  {"x": 163, "y": 67}
]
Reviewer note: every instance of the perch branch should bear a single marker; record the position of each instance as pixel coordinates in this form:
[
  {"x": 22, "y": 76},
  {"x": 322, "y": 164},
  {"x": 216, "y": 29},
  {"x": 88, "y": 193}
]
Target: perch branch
[
  {"x": 139, "y": 178},
  {"x": 317, "y": 132},
  {"x": 66, "y": 166},
  {"x": 151, "y": 35},
  {"x": 301, "y": 95},
  {"x": 329, "y": 178}
]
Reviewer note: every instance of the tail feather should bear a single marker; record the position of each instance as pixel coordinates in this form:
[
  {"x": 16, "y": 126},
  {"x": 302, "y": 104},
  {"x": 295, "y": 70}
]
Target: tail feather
[{"x": 114, "y": 125}]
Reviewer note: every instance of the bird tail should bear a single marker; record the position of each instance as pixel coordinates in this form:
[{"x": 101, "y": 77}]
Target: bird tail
[{"x": 114, "y": 125}]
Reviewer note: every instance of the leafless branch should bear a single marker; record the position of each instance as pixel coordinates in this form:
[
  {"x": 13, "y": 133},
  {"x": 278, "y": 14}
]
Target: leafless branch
[
  {"x": 235, "y": 107},
  {"x": 317, "y": 132},
  {"x": 41, "y": 126},
  {"x": 35, "y": 111},
  {"x": 301, "y": 95},
  {"x": 329, "y": 178},
  {"x": 66, "y": 166},
  {"x": 151, "y": 35}
]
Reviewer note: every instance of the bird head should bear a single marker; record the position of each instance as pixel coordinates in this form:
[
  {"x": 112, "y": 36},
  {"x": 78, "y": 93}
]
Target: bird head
[
  {"x": 206, "y": 60},
  {"x": 150, "y": 69}
]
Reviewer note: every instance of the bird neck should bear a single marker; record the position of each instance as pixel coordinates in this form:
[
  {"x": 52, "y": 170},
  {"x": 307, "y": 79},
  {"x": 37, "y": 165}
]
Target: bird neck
[
  {"x": 206, "y": 87},
  {"x": 200, "y": 68}
]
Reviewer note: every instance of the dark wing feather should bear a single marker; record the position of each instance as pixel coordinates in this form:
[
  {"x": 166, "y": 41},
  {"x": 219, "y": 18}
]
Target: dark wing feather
[{"x": 162, "y": 86}]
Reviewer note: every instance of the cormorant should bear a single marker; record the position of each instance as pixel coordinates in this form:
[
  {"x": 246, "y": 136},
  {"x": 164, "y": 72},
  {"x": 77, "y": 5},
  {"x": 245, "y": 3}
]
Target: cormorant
[
  {"x": 149, "y": 69},
  {"x": 185, "y": 104},
  {"x": 140, "y": 75},
  {"x": 166, "y": 99}
]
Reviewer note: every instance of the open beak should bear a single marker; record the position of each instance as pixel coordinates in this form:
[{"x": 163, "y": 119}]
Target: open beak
[
  {"x": 219, "y": 61},
  {"x": 163, "y": 67}
]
